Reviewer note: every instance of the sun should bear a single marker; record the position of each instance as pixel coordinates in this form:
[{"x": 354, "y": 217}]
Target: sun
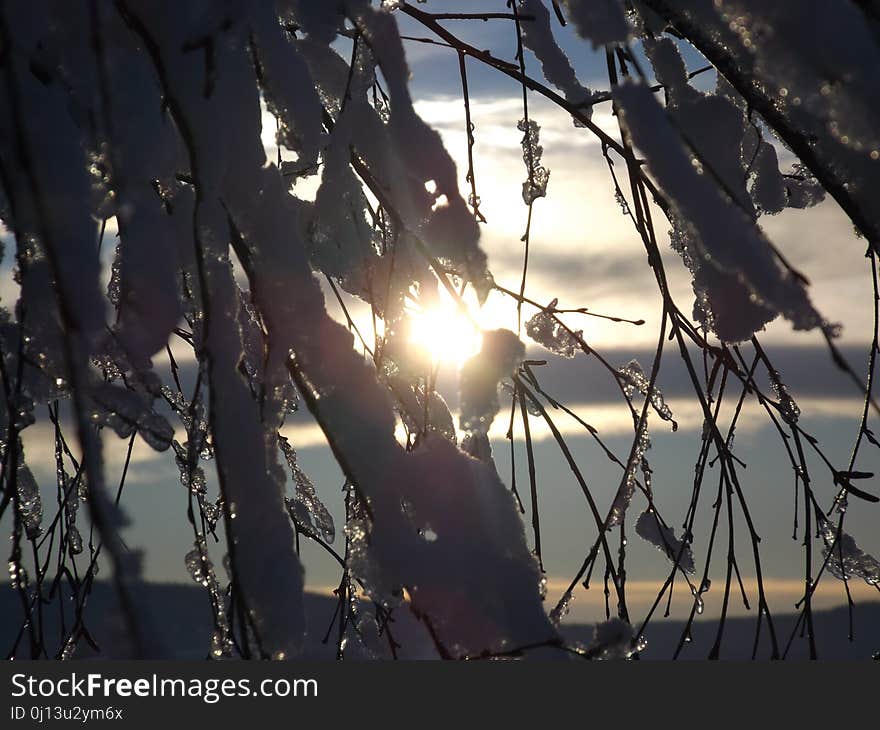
[{"x": 445, "y": 333}]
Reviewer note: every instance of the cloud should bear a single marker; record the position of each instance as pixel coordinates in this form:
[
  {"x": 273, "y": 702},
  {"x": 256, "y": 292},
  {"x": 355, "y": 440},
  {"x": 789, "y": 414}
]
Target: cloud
[
  {"x": 782, "y": 594},
  {"x": 585, "y": 251},
  {"x": 613, "y": 420},
  {"x": 610, "y": 418},
  {"x": 809, "y": 373},
  {"x": 38, "y": 441}
]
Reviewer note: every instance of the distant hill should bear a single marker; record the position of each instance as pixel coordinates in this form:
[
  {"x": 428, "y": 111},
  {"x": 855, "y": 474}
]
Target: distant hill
[
  {"x": 183, "y": 627},
  {"x": 830, "y": 629}
]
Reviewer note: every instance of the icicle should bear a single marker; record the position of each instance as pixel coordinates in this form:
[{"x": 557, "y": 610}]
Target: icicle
[
  {"x": 74, "y": 540},
  {"x": 71, "y": 507},
  {"x": 18, "y": 578},
  {"x": 306, "y": 509},
  {"x": 194, "y": 420},
  {"x": 30, "y": 505},
  {"x": 193, "y": 479},
  {"x": 561, "y": 609},
  {"x": 196, "y": 566},
  {"x": 538, "y": 176},
  {"x": 628, "y": 487},
  {"x": 788, "y": 409},
  {"x": 362, "y": 565},
  {"x": 115, "y": 276},
  {"x": 201, "y": 570},
  {"x": 634, "y": 380}
]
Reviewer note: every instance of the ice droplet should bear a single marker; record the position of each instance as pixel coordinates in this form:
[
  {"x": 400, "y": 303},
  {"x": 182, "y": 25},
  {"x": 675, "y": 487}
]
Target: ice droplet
[
  {"x": 75, "y": 542},
  {"x": 698, "y": 600},
  {"x": 788, "y": 409},
  {"x": 546, "y": 331},
  {"x": 195, "y": 565},
  {"x": 561, "y": 609}
]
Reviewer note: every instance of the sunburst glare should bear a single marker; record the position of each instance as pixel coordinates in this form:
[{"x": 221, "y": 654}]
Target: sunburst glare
[{"x": 444, "y": 332}]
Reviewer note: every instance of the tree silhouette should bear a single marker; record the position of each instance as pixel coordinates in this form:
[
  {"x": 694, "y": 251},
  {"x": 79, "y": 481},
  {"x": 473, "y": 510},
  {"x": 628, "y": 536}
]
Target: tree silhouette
[{"x": 148, "y": 116}]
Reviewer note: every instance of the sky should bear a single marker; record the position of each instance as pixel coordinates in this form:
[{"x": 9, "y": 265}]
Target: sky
[{"x": 584, "y": 252}]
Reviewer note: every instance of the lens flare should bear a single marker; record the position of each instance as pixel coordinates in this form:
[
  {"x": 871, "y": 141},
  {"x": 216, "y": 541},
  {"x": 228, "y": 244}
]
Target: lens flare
[{"x": 445, "y": 333}]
